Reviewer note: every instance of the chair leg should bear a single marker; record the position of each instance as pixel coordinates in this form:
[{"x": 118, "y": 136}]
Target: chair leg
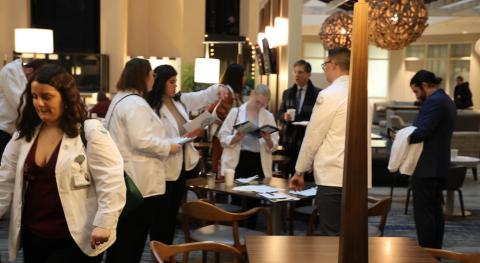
[
  {"x": 474, "y": 172},
  {"x": 460, "y": 195},
  {"x": 217, "y": 257},
  {"x": 408, "y": 200},
  {"x": 291, "y": 207},
  {"x": 204, "y": 256},
  {"x": 394, "y": 177}
]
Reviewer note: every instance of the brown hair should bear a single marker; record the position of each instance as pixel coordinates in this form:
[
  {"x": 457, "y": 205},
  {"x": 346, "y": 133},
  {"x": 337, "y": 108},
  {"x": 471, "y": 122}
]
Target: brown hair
[
  {"x": 74, "y": 111},
  {"x": 134, "y": 76}
]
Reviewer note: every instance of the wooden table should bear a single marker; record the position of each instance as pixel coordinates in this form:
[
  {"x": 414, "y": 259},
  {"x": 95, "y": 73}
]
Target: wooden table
[
  {"x": 313, "y": 249},
  {"x": 276, "y": 207}
]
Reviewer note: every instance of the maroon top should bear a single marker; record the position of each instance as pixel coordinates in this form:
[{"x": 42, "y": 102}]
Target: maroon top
[
  {"x": 101, "y": 108},
  {"x": 42, "y": 210}
]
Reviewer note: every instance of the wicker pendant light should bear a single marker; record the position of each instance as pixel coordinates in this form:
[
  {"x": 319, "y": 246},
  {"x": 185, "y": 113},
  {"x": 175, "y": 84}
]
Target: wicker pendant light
[
  {"x": 336, "y": 31},
  {"x": 393, "y": 24}
]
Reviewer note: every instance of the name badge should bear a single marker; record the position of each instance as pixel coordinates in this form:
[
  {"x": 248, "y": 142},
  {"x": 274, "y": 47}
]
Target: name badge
[{"x": 79, "y": 175}]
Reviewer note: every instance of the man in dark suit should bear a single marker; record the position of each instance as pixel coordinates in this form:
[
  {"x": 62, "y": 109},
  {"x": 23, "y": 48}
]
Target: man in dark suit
[
  {"x": 435, "y": 123},
  {"x": 462, "y": 94},
  {"x": 301, "y": 97}
]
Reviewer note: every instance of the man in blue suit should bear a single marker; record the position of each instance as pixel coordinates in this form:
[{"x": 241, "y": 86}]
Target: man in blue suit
[{"x": 435, "y": 123}]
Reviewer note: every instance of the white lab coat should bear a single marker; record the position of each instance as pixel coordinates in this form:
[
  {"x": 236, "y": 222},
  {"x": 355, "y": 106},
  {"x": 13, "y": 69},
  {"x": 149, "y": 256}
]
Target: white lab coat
[
  {"x": 231, "y": 153},
  {"x": 12, "y": 84},
  {"x": 141, "y": 138},
  {"x": 97, "y": 205},
  {"x": 189, "y": 102},
  {"x": 403, "y": 155},
  {"x": 323, "y": 146}
]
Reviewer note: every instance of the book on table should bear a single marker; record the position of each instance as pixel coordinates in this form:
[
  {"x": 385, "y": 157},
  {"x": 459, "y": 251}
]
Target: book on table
[{"x": 253, "y": 129}]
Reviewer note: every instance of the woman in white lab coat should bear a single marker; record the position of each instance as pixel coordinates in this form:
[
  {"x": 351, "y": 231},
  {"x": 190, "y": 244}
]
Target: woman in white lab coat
[
  {"x": 175, "y": 114},
  {"x": 65, "y": 199},
  {"x": 141, "y": 138},
  {"x": 245, "y": 153},
  {"x": 248, "y": 154}
]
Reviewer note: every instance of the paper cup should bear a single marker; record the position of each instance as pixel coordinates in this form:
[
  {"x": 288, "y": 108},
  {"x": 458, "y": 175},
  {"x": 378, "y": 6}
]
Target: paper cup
[
  {"x": 453, "y": 154},
  {"x": 211, "y": 180},
  {"x": 291, "y": 113},
  {"x": 229, "y": 176}
]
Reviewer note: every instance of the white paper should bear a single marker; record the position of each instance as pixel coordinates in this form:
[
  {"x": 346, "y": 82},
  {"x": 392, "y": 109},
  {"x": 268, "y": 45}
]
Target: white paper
[
  {"x": 256, "y": 188},
  {"x": 200, "y": 122},
  {"x": 274, "y": 197},
  {"x": 246, "y": 180},
  {"x": 307, "y": 192},
  {"x": 375, "y": 136},
  {"x": 300, "y": 123},
  {"x": 182, "y": 140}
]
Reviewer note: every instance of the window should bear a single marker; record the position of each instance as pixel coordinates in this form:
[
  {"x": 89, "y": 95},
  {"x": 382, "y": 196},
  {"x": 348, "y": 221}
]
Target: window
[
  {"x": 447, "y": 61},
  {"x": 315, "y": 54}
]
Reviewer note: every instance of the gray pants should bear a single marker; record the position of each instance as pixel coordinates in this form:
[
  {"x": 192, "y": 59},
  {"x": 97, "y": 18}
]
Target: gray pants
[{"x": 328, "y": 202}]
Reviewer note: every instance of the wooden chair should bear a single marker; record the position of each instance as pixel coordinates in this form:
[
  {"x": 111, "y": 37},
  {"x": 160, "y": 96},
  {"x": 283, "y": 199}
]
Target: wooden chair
[
  {"x": 450, "y": 255},
  {"x": 225, "y": 234},
  {"x": 379, "y": 207},
  {"x": 167, "y": 253}
]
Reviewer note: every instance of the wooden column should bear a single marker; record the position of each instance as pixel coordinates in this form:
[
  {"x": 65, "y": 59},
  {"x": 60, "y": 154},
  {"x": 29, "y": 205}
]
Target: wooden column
[{"x": 354, "y": 231}]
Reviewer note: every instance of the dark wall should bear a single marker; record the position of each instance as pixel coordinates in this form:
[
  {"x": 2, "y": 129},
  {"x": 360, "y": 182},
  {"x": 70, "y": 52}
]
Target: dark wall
[
  {"x": 75, "y": 23},
  {"x": 222, "y": 17}
]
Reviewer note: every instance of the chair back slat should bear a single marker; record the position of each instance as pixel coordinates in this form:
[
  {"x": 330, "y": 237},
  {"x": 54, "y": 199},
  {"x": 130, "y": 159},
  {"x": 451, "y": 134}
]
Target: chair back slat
[{"x": 162, "y": 252}]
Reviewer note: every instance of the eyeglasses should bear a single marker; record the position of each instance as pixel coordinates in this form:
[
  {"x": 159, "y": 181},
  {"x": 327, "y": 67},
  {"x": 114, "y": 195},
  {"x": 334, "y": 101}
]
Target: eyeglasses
[{"x": 324, "y": 64}]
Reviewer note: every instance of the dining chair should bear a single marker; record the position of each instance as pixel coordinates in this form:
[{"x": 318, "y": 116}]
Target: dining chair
[
  {"x": 453, "y": 182},
  {"x": 450, "y": 255},
  {"x": 378, "y": 208},
  {"x": 233, "y": 234},
  {"x": 167, "y": 253}
]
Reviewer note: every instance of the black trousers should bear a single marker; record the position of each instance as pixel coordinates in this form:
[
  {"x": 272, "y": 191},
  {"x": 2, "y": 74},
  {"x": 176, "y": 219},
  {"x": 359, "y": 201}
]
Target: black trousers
[
  {"x": 38, "y": 249},
  {"x": 165, "y": 216},
  {"x": 329, "y": 202},
  {"x": 4, "y": 139},
  {"x": 427, "y": 211},
  {"x": 132, "y": 231},
  {"x": 249, "y": 164}
]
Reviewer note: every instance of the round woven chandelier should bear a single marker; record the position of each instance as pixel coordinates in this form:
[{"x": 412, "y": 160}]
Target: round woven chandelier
[
  {"x": 393, "y": 24},
  {"x": 336, "y": 31}
]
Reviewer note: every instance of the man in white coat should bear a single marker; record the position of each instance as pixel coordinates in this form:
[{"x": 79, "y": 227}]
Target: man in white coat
[
  {"x": 324, "y": 144},
  {"x": 13, "y": 80}
]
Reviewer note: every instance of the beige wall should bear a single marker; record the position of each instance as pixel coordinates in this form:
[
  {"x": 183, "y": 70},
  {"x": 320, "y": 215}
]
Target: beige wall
[
  {"x": 165, "y": 28},
  {"x": 13, "y": 14},
  {"x": 400, "y": 74}
]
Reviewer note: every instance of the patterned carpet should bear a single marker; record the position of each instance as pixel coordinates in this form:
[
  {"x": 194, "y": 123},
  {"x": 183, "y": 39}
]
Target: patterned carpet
[{"x": 461, "y": 234}]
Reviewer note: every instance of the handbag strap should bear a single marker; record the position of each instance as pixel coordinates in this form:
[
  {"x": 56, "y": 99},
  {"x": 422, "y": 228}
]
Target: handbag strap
[{"x": 114, "y": 106}]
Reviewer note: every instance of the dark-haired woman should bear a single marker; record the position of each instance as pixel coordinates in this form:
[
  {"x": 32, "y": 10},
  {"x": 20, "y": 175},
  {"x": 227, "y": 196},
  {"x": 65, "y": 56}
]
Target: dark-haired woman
[
  {"x": 234, "y": 80},
  {"x": 174, "y": 115},
  {"x": 434, "y": 127},
  {"x": 65, "y": 199},
  {"x": 141, "y": 138}
]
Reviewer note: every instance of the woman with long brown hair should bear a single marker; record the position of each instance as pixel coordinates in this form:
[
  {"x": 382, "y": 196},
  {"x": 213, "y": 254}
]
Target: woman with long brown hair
[{"x": 65, "y": 199}]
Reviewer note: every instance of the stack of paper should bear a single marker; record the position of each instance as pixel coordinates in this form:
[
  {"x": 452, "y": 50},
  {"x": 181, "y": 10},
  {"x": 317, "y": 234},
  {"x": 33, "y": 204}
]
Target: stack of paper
[
  {"x": 246, "y": 180},
  {"x": 307, "y": 192},
  {"x": 256, "y": 188},
  {"x": 276, "y": 197}
]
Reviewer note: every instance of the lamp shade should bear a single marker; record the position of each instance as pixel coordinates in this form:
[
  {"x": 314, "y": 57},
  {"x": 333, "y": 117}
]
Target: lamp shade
[
  {"x": 281, "y": 29},
  {"x": 33, "y": 40},
  {"x": 207, "y": 70},
  {"x": 271, "y": 35}
]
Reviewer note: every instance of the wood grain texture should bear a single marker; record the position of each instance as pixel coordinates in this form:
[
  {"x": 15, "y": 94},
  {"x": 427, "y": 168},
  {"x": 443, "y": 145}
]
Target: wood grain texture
[
  {"x": 353, "y": 245},
  {"x": 283, "y": 249}
]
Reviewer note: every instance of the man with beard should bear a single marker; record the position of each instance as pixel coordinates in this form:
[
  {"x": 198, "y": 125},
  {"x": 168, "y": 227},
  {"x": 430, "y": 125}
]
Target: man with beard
[{"x": 434, "y": 127}]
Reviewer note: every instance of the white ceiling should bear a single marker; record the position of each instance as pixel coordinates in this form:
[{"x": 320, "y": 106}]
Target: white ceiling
[{"x": 445, "y": 16}]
